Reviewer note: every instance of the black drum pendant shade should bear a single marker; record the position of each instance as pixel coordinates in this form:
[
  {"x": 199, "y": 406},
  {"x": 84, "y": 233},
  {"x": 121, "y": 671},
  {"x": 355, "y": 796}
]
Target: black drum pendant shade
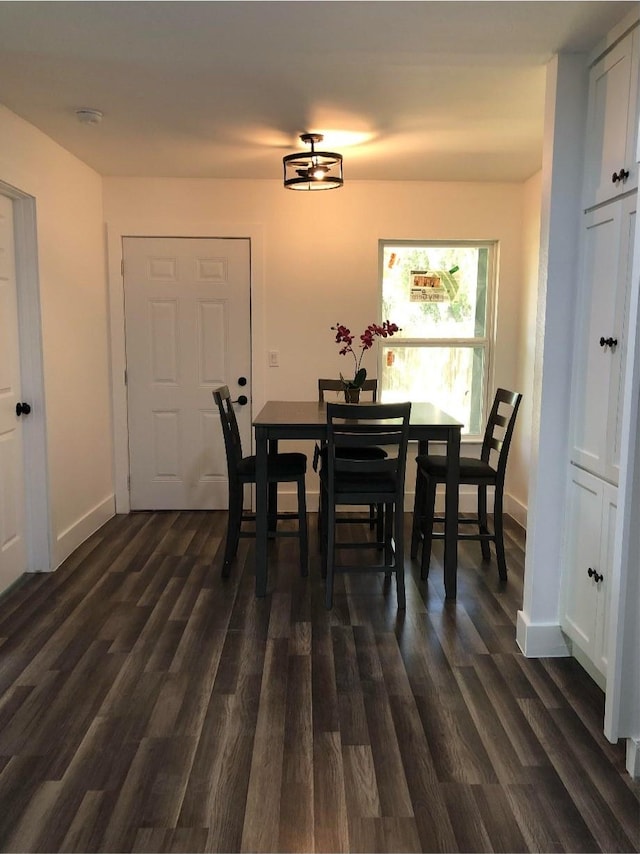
[{"x": 316, "y": 170}]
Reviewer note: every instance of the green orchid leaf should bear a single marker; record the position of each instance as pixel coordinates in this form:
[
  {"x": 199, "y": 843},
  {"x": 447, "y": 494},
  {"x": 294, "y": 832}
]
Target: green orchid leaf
[{"x": 359, "y": 378}]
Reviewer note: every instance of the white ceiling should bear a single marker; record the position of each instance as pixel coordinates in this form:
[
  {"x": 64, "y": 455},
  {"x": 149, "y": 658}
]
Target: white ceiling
[{"x": 405, "y": 90}]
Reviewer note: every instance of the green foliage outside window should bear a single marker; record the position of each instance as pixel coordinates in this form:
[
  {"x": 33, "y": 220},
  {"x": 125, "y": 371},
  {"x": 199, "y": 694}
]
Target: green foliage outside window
[{"x": 441, "y": 352}]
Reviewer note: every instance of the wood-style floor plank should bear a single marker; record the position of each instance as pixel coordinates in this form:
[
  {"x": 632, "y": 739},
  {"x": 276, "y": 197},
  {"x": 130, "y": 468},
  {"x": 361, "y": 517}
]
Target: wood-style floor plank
[{"x": 148, "y": 704}]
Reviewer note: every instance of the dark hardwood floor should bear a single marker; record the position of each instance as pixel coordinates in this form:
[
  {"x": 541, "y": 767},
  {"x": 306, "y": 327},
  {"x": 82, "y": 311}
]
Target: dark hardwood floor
[{"x": 148, "y": 705}]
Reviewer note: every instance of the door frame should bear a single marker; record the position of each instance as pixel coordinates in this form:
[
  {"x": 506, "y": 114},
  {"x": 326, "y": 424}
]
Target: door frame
[
  {"x": 38, "y": 531},
  {"x": 146, "y": 226}
]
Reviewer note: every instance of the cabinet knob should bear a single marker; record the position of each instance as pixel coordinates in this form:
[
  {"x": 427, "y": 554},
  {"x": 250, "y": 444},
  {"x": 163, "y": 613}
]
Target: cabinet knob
[
  {"x": 608, "y": 342},
  {"x": 22, "y": 408},
  {"x": 593, "y": 573},
  {"x": 622, "y": 175}
]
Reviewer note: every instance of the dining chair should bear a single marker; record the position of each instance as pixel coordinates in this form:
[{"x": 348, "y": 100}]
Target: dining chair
[
  {"x": 488, "y": 470},
  {"x": 241, "y": 470},
  {"x": 324, "y": 385},
  {"x": 370, "y": 387},
  {"x": 356, "y": 480}
]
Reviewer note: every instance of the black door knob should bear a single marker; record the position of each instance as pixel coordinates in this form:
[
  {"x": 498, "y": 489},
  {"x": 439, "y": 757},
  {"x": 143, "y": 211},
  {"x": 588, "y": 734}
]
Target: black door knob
[
  {"x": 622, "y": 175},
  {"x": 242, "y": 380},
  {"x": 608, "y": 342},
  {"x": 22, "y": 409},
  {"x": 243, "y": 399}
]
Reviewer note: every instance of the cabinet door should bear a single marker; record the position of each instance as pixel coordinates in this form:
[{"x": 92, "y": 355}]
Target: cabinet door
[
  {"x": 617, "y": 355},
  {"x": 596, "y": 320},
  {"x": 612, "y": 122},
  {"x": 579, "y": 585},
  {"x": 607, "y": 541}
]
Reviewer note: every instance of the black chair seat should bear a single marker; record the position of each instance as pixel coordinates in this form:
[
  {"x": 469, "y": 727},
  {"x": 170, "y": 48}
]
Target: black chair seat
[
  {"x": 355, "y": 485},
  {"x": 279, "y": 467},
  {"x": 355, "y": 454},
  {"x": 435, "y": 465}
]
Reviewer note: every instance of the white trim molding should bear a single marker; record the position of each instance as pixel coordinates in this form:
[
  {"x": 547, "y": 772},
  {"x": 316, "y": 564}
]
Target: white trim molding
[
  {"x": 73, "y": 536},
  {"x": 633, "y": 757},
  {"x": 540, "y": 640},
  {"x": 39, "y": 535},
  {"x": 148, "y": 227}
]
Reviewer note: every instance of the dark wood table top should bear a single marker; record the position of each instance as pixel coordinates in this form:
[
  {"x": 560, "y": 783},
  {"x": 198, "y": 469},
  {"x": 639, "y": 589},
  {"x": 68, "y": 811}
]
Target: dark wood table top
[{"x": 310, "y": 413}]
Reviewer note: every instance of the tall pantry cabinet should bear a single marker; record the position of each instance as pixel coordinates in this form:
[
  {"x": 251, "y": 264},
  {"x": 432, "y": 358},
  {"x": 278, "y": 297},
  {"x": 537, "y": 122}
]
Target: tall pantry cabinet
[{"x": 602, "y": 308}]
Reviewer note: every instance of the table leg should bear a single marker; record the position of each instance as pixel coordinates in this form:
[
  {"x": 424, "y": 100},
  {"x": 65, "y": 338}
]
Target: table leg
[
  {"x": 261, "y": 511},
  {"x": 451, "y": 515}
]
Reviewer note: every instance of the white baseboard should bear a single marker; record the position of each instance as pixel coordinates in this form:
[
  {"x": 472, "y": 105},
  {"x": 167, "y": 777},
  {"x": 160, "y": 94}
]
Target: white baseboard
[
  {"x": 68, "y": 540},
  {"x": 288, "y": 501},
  {"x": 540, "y": 640},
  {"x": 516, "y": 509},
  {"x": 633, "y": 757}
]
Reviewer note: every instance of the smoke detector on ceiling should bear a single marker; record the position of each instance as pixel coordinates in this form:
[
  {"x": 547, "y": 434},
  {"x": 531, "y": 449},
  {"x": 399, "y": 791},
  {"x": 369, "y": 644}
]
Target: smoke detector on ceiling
[{"x": 87, "y": 116}]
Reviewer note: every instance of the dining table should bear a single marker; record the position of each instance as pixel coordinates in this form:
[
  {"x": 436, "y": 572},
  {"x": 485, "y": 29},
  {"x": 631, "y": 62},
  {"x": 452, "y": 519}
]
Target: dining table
[{"x": 304, "y": 419}]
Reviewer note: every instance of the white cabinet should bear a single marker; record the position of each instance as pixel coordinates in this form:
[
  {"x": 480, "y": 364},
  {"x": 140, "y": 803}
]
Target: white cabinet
[
  {"x": 590, "y": 530},
  {"x": 600, "y": 343},
  {"x": 601, "y": 336},
  {"x": 612, "y": 123}
]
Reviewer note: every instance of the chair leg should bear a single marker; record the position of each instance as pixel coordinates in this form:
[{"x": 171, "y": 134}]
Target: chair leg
[
  {"x": 499, "y": 535},
  {"x": 483, "y": 527},
  {"x": 380, "y": 523},
  {"x": 234, "y": 522},
  {"x": 385, "y": 539},
  {"x": 302, "y": 528},
  {"x": 388, "y": 536},
  {"x": 372, "y": 517},
  {"x": 418, "y": 512},
  {"x": 399, "y": 559},
  {"x": 323, "y": 531},
  {"x": 427, "y": 525},
  {"x": 330, "y": 517}
]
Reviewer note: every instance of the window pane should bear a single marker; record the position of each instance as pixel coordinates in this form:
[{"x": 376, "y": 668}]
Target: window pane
[
  {"x": 449, "y": 377},
  {"x": 435, "y": 291}
]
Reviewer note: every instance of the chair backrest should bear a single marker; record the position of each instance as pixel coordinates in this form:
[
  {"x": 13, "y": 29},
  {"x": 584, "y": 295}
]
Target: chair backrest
[
  {"x": 230, "y": 431},
  {"x": 500, "y": 424},
  {"x": 357, "y": 426},
  {"x": 337, "y": 385}
]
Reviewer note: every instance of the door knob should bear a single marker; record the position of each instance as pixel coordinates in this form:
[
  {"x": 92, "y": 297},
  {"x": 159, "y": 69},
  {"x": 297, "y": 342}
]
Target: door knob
[
  {"x": 608, "y": 342},
  {"x": 242, "y": 380},
  {"x": 242, "y": 400},
  {"x": 22, "y": 409}
]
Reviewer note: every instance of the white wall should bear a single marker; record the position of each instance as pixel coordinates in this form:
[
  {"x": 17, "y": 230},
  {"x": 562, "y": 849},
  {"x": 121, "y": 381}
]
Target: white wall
[
  {"x": 520, "y": 454},
  {"x": 73, "y": 301},
  {"x": 538, "y": 625},
  {"x": 319, "y": 257}
]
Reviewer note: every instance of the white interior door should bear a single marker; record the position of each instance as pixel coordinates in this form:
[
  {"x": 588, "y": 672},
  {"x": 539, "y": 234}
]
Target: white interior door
[
  {"x": 187, "y": 331},
  {"x": 13, "y": 551}
]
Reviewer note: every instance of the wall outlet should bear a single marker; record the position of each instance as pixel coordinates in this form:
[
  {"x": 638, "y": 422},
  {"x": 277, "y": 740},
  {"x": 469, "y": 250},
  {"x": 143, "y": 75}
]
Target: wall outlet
[{"x": 274, "y": 358}]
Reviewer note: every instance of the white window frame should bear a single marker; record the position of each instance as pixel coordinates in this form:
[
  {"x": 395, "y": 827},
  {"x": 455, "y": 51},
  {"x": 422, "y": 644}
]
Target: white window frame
[{"x": 487, "y": 342}]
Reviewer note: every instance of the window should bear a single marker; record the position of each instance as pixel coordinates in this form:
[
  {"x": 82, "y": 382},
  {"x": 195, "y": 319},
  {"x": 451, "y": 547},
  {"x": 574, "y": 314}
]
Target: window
[{"x": 440, "y": 296}]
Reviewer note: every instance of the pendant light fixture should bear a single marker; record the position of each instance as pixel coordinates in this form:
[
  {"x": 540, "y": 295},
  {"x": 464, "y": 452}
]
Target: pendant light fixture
[{"x": 317, "y": 170}]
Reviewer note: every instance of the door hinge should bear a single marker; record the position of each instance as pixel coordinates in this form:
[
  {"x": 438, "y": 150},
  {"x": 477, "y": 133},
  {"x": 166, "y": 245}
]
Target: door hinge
[
  {"x": 126, "y": 378},
  {"x": 129, "y": 482},
  {"x": 122, "y": 266}
]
